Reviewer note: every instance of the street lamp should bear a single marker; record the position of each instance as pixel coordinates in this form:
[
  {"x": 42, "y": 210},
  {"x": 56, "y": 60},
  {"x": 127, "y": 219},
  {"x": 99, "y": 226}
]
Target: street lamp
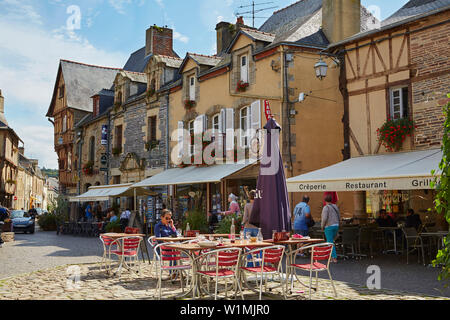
[{"x": 321, "y": 69}]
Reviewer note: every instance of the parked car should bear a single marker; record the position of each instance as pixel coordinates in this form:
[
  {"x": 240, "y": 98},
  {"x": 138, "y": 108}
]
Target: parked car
[{"x": 22, "y": 221}]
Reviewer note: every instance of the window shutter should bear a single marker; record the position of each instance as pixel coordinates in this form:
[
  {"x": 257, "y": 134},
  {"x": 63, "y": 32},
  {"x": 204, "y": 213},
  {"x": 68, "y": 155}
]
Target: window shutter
[
  {"x": 229, "y": 127},
  {"x": 192, "y": 88},
  {"x": 255, "y": 116},
  {"x": 180, "y": 138},
  {"x": 244, "y": 68}
]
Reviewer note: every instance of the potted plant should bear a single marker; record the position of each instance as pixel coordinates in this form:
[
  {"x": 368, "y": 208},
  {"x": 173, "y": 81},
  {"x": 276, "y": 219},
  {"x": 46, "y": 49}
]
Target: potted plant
[
  {"x": 393, "y": 132},
  {"x": 241, "y": 86},
  {"x": 116, "y": 151},
  {"x": 150, "y": 145},
  {"x": 113, "y": 226},
  {"x": 189, "y": 104}
]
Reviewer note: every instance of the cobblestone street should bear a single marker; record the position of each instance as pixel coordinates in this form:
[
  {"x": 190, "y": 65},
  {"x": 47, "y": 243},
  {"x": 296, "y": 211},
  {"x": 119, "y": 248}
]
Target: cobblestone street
[{"x": 39, "y": 269}]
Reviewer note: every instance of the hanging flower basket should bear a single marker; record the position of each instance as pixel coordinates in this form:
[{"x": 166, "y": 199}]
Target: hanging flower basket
[
  {"x": 88, "y": 168},
  {"x": 241, "y": 86},
  {"x": 189, "y": 104},
  {"x": 393, "y": 133}
]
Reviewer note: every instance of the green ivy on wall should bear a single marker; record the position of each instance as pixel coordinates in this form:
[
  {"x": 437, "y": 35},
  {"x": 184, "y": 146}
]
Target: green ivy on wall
[{"x": 442, "y": 198}]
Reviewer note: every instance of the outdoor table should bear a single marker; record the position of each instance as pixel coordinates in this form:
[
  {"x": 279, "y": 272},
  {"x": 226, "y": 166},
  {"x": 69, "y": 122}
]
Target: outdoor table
[
  {"x": 293, "y": 245},
  {"x": 438, "y": 234},
  {"x": 174, "y": 239},
  {"x": 393, "y": 231},
  {"x": 192, "y": 250}
]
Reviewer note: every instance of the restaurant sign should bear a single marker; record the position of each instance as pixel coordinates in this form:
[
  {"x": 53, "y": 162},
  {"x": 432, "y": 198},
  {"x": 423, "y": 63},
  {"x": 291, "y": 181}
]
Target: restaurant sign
[{"x": 409, "y": 183}]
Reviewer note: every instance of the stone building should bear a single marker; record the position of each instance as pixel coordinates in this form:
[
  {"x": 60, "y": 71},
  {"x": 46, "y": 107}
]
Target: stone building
[{"x": 9, "y": 159}]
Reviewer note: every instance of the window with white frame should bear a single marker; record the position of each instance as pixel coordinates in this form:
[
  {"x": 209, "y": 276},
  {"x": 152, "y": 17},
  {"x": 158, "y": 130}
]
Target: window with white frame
[
  {"x": 215, "y": 124},
  {"x": 399, "y": 103},
  {"x": 244, "y": 68},
  {"x": 191, "y": 137},
  {"x": 192, "y": 88},
  {"x": 244, "y": 117}
]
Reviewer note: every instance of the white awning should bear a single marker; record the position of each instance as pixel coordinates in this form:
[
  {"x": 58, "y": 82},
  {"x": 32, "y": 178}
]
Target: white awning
[
  {"x": 193, "y": 174},
  {"x": 104, "y": 193},
  {"x": 397, "y": 171}
]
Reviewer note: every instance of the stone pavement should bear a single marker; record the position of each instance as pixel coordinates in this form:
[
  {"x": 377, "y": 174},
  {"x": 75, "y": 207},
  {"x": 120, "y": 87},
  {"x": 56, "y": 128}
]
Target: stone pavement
[{"x": 94, "y": 284}]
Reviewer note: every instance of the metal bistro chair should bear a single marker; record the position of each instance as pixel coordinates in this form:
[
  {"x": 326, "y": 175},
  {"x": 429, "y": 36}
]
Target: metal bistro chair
[
  {"x": 169, "y": 260},
  {"x": 226, "y": 266},
  {"x": 319, "y": 252},
  {"x": 349, "y": 239},
  {"x": 414, "y": 241},
  {"x": 106, "y": 258},
  {"x": 270, "y": 264},
  {"x": 127, "y": 248}
]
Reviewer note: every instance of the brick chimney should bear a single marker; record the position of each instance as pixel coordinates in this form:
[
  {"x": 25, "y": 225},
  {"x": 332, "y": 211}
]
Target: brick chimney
[
  {"x": 341, "y": 19},
  {"x": 2, "y": 109},
  {"x": 159, "y": 41}
]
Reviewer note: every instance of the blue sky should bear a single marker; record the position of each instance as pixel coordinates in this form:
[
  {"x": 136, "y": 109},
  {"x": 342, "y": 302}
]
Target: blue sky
[{"x": 35, "y": 34}]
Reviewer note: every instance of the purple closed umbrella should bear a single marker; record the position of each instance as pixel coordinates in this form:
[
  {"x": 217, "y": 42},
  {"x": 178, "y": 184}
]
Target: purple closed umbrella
[{"x": 271, "y": 206}]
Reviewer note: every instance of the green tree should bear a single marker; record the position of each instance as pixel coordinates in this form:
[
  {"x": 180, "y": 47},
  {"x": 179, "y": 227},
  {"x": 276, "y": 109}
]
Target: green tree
[{"x": 441, "y": 184}]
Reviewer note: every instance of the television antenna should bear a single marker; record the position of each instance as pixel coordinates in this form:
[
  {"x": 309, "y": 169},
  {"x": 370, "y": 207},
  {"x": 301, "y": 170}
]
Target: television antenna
[{"x": 254, "y": 10}]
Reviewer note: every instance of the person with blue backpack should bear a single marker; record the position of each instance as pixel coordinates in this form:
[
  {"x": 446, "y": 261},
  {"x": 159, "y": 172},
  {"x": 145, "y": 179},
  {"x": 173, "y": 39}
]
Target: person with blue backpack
[{"x": 302, "y": 214}]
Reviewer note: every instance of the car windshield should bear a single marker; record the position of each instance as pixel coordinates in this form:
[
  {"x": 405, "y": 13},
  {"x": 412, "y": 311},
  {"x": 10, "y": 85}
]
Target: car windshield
[{"x": 19, "y": 214}]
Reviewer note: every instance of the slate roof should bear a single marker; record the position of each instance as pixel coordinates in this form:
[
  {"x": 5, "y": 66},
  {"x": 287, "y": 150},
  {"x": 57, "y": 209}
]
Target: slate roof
[
  {"x": 414, "y": 8},
  {"x": 411, "y": 11},
  {"x": 171, "y": 62},
  {"x": 204, "y": 60},
  {"x": 301, "y": 23},
  {"x": 137, "y": 61},
  {"x": 82, "y": 81},
  {"x": 259, "y": 35}
]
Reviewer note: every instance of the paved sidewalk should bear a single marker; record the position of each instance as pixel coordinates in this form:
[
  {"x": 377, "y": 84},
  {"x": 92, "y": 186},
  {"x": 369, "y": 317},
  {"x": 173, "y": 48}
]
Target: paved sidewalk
[{"x": 95, "y": 284}]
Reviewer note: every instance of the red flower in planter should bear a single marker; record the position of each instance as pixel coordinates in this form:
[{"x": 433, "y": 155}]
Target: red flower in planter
[
  {"x": 241, "y": 86},
  {"x": 393, "y": 132}
]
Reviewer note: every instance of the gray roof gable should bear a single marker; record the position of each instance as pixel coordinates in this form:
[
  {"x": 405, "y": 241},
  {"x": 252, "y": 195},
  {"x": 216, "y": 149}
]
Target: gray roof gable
[
  {"x": 82, "y": 81},
  {"x": 414, "y": 8},
  {"x": 301, "y": 23}
]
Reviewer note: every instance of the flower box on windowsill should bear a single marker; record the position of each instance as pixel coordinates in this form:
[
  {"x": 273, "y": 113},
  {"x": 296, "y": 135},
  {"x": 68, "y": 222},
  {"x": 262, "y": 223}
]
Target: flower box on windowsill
[
  {"x": 189, "y": 104},
  {"x": 393, "y": 133},
  {"x": 242, "y": 86},
  {"x": 88, "y": 168}
]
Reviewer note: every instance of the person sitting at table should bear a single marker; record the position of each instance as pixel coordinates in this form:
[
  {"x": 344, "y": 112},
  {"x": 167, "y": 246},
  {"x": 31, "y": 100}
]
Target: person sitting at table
[
  {"x": 384, "y": 220},
  {"x": 413, "y": 220},
  {"x": 124, "y": 219},
  {"x": 165, "y": 227},
  {"x": 110, "y": 217}
]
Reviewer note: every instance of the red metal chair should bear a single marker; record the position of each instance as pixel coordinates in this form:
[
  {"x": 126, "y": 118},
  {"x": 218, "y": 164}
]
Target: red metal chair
[
  {"x": 127, "y": 248},
  {"x": 225, "y": 263},
  {"x": 169, "y": 260},
  {"x": 130, "y": 230},
  {"x": 319, "y": 252},
  {"x": 106, "y": 258},
  {"x": 269, "y": 260}
]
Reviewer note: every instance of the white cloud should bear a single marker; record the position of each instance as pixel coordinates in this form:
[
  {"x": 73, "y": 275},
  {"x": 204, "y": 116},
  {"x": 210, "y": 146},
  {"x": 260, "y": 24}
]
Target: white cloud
[
  {"x": 29, "y": 60},
  {"x": 180, "y": 37},
  {"x": 19, "y": 10}
]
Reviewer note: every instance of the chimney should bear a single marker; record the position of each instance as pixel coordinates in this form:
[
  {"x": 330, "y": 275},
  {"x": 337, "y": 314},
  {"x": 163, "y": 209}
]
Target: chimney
[
  {"x": 159, "y": 41},
  {"x": 240, "y": 21},
  {"x": 225, "y": 32},
  {"x": 341, "y": 19},
  {"x": 2, "y": 109}
]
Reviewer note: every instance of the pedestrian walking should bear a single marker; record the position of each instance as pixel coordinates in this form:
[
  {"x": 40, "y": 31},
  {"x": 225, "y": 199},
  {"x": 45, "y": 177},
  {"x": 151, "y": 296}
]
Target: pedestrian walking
[
  {"x": 302, "y": 217},
  {"x": 330, "y": 223},
  {"x": 124, "y": 219},
  {"x": 89, "y": 212}
]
